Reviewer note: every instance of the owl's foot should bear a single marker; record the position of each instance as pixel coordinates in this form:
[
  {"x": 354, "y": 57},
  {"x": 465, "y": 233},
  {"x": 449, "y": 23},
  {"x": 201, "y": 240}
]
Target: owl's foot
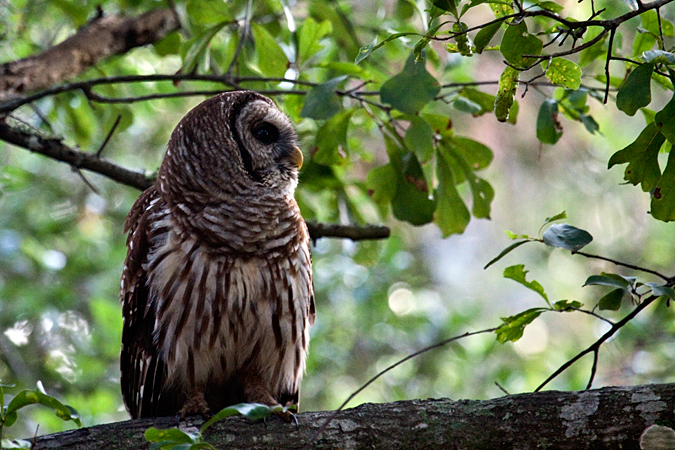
[
  {"x": 286, "y": 414},
  {"x": 195, "y": 405}
]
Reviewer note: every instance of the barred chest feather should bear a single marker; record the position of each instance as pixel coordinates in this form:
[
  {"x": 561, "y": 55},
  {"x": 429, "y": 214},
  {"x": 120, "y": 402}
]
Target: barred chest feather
[{"x": 222, "y": 315}]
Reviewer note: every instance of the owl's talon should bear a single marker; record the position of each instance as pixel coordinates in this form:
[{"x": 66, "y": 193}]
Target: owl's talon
[{"x": 288, "y": 417}]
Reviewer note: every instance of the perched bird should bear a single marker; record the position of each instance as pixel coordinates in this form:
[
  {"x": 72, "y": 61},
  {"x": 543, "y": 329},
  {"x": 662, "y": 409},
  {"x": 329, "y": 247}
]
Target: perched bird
[{"x": 217, "y": 291}]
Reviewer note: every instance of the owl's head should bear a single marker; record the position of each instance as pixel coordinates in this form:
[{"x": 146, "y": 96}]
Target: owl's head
[{"x": 230, "y": 143}]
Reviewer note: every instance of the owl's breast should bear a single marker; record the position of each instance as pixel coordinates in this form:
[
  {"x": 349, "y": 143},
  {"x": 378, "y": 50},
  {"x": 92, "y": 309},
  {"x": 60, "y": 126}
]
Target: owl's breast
[{"x": 219, "y": 314}]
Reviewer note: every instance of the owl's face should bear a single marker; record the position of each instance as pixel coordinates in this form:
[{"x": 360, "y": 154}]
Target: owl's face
[{"x": 236, "y": 139}]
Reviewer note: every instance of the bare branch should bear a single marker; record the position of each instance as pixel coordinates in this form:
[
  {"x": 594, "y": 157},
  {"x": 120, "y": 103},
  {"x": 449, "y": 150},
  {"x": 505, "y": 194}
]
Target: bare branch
[
  {"x": 629, "y": 266},
  {"x": 56, "y": 149},
  {"x": 596, "y": 345},
  {"x": 101, "y": 38}
]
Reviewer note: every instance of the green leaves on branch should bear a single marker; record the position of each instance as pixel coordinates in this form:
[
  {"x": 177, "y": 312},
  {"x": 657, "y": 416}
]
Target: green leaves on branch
[
  {"x": 517, "y": 43},
  {"x": 174, "y": 438},
  {"x": 622, "y": 286},
  {"x": 643, "y": 165},
  {"x": 635, "y": 92},
  {"x": 512, "y": 327},
  {"x": 425, "y": 169},
  {"x": 518, "y": 273},
  {"x": 410, "y": 90},
  {"x": 549, "y": 128},
  {"x": 321, "y": 102},
  {"x": 9, "y": 412}
]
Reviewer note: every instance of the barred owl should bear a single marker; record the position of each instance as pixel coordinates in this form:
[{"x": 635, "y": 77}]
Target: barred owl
[{"x": 216, "y": 291}]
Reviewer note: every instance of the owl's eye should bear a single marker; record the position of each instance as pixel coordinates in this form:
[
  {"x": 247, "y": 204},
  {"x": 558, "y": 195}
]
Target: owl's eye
[{"x": 266, "y": 133}]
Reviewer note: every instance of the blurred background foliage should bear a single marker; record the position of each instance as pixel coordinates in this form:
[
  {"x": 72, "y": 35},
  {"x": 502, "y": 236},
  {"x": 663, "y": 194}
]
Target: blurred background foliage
[{"x": 62, "y": 246}]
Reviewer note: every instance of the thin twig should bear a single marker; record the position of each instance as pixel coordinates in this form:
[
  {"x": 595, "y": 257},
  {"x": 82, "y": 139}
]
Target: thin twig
[
  {"x": 393, "y": 366},
  {"x": 107, "y": 138},
  {"x": 592, "y": 313},
  {"x": 242, "y": 40},
  {"x": 629, "y": 266},
  {"x": 609, "y": 58},
  {"x": 594, "y": 368}
]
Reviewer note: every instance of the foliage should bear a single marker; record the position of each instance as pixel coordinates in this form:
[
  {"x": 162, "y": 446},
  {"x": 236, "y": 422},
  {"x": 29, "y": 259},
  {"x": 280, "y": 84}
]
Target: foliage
[
  {"x": 396, "y": 112},
  {"x": 9, "y": 412},
  {"x": 172, "y": 438}
]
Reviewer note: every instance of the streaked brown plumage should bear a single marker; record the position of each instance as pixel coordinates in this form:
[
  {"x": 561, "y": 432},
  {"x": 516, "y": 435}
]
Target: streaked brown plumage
[{"x": 217, "y": 289}]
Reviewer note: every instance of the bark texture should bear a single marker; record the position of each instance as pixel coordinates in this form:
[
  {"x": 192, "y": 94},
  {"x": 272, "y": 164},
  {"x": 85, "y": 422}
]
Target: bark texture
[
  {"x": 101, "y": 38},
  {"x": 608, "y": 418}
]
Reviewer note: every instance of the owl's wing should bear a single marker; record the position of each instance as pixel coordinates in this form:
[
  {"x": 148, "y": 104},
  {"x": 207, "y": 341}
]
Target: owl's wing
[{"x": 143, "y": 371}]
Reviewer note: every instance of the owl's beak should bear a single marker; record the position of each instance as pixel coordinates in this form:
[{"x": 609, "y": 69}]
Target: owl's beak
[{"x": 296, "y": 157}]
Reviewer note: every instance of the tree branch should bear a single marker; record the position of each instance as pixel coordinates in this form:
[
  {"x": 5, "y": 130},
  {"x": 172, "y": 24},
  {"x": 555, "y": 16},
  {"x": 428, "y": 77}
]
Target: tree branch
[
  {"x": 56, "y": 149},
  {"x": 101, "y": 38},
  {"x": 594, "y": 347},
  {"x": 608, "y": 418}
]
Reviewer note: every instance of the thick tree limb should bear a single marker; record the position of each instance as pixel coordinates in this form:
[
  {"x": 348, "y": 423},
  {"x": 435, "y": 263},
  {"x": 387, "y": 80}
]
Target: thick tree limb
[
  {"x": 56, "y": 149},
  {"x": 101, "y": 38},
  {"x": 607, "y": 418}
]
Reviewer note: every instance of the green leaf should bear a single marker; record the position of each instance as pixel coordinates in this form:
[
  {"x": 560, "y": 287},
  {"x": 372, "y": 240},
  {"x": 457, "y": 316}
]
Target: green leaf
[
  {"x": 508, "y": 83},
  {"x": 331, "y": 140},
  {"x": 484, "y": 100},
  {"x": 665, "y": 121},
  {"x": 419, "y": 138},
  {"x": 590, "y": 54},
  {"x": 169, "y": 45},
  {"x": 518, "y": 273},
  {"x": 446, "y": 5},
  {"x": 10, "y": 418},
  {"x": 27, "y": 397},
  {"x": 452, "y": 215},
  {"x": 550, "y": 6},
  {"x": 366, "y": 50},
  {"x": 661, "y": 290},
  {"x": 513, "y": 326},
  {"x": 208, "y": 12},
  {"x": 411, "y": 202},
  {"x": 411, "y": 89},
  {"x": 549, "y": 128},
  {"x": 481, "y": 190},
  {"x": 565, "y": 305},
  {"x": 272, "y": 60},
  {"x": 485, "y": 35},
  {"x": 612, "y": 300},
  {"x": 321, "y": 102},
  {"x": 566, "y": 236},
  {"x": 309, "y": 36},
  {"x": 611, "y": 280},
  {"x": 477, "y": 155},
  {"x": 642, "y": 158},
  {"x": 518, "y": 42},
  {"x": 559, "y": 216},
  {"x": 564, "y": 72},
  {"x": 172, "y": 435},
  {"x": 198, "y": 45},
  {"x": 466, "y": 105},
  {"x": 636, "y": 91},
  {"x": 252, "y": 411},
  {"x": 381, "y": 183},
  {"x": 663, "y": 197},
  {"x": 506, "y": 251}
]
